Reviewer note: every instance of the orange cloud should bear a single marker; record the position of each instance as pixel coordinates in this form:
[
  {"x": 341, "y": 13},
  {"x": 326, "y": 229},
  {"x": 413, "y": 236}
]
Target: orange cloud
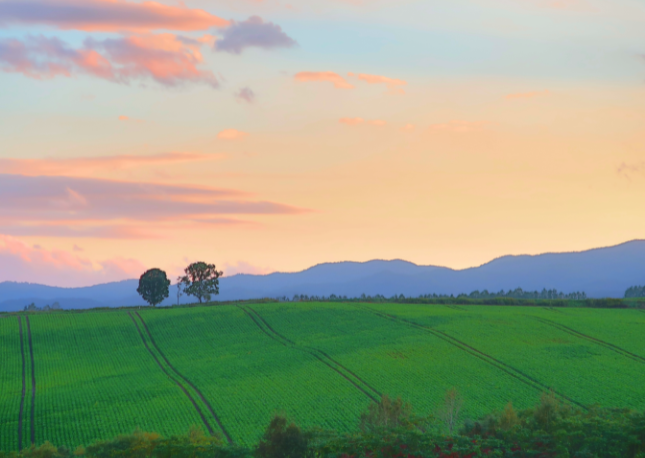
[
  {"x": 351, "y": 121},
  {"x": 107, "y": 15},
  {"x": 458, "y": 126},
  {"x": 391, "y": 83},
  {"x": 231, "y": 134},
  {"x": 408, "y": 128},
  {"x": 334, "y": 78},
  {"x": 89, "y": 165},
  {"x": 378, "y": 122},
  {"x": 527, "y": 95}
]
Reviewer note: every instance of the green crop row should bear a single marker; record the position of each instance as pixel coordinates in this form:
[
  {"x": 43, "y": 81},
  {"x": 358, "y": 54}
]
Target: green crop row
[{"x": 98, "y": 374}]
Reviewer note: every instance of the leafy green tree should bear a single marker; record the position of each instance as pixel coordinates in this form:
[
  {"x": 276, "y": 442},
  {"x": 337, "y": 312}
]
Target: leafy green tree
[
  {"x": 153, "y": 286},
  {"x": 201, "y": 280}
]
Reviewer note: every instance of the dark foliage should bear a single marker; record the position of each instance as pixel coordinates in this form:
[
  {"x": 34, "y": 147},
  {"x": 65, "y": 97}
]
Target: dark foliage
[
  {"x": 635, "y": 291},
  {"x": 201, "y": 280},
  {"x": 551, "y": 429},
  {"x": 283, "y": 439},
  {"x": 153, "y": 286}
]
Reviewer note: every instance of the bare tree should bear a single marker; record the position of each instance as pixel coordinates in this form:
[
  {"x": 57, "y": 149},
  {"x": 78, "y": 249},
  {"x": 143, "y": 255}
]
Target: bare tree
[{"x": 450, "y": 409}]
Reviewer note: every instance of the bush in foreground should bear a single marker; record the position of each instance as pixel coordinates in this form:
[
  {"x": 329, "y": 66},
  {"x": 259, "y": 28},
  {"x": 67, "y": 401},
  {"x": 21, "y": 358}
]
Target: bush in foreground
[{"x": 551, "y": 429}]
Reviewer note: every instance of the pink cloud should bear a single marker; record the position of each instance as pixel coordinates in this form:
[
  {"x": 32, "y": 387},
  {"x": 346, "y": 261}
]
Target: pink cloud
[
  {"x": 20, "y": 262},
  {"x": 106, "y": 15},
  {"x": 331, "y": 77},
  {"x": 90, "y": 165},
  {"x": 62, "y": 206},
  {"x": 242, "y": 267},
  {"x": 527, "y": 95},
  {"x": 351, "y": 121},
  {"x": 231, "y": 134},
  {"x": 391, "y": 83},
  {"x": 378, "y": 122},
  {"x": 408, "y": 128},
  {"x": 165, "y": 58},
  {"x": 458, "y": 126}
]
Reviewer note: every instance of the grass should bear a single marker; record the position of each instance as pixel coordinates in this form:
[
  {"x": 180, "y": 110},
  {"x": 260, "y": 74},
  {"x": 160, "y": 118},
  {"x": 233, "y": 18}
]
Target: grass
[{"x": 230, "y": 368}]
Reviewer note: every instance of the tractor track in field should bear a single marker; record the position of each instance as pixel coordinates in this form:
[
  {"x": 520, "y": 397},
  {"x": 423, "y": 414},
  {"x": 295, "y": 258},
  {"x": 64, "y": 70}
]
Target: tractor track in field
[
  {"x": 32, "y": 413},
  {"x": 508, "y": 369},
  {"x": 318, "y": 354},
  {"x": 24, "y": 385},
  {"x": 183, "y": 388},
  {"x": 602, "y": 343},
  {"x": 317, "y": 350},
  {"x": 199, "y": 393}
]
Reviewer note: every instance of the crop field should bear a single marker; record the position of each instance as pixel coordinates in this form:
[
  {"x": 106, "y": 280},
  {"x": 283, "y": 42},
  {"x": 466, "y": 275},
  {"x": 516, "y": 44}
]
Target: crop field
[{"x": 72, "y": 378}]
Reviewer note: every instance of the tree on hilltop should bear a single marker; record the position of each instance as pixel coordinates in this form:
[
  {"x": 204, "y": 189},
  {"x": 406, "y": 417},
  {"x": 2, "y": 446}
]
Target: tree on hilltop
[
  {"x": 153, "y": 286},
  {"x": 201, "y": 280}
]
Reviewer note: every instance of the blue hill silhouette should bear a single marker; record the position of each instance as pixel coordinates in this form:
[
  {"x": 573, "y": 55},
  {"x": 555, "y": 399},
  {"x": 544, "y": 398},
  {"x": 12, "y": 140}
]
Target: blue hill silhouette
[{"x": 600, "y": 272}]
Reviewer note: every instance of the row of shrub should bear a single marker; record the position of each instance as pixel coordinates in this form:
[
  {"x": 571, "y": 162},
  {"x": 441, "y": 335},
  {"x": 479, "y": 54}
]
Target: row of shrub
[
  {"x": 467, "y": 300},
  {"x": 390, "y": 429}
]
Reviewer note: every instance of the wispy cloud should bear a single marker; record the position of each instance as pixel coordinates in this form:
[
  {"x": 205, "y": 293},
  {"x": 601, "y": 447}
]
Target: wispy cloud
[
  {"x": 351, "y": 121},
  {"x": 89, "y": 165},
  {"x": 106, "y": 15},
  {"x": 331, "y": 77},
  {"x": 21, "y": 262},
  {"x": 232, "y": 134},
  {"x": 245, "y": 94},
  {"x": 82, "y": 207},
  {"x": 253, "y": 33},
  {"x": 625, "y": 169},
  {"x": 377, "y": 122},
  {"x": 165, "y": 58},
  {"x": 408, "y": 128},
  {"x": 392, "y": 84}
]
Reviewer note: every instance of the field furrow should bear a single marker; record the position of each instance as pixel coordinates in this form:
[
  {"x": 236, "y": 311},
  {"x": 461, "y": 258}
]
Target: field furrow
[
  {"x": 98, "y": 374},
  {"x": 10, "y": 382},
  {"x": 32, "y": 410},
  {"x": 248, "y": 374},
  {"x": 569, "y": 363},
  {"x": 96, "y": 380},
  {"x": 197, "y": 391},
  {"x": 328, "y": 361},
  {"x": 24, "y": 385},
  {"x": 510, "y": 370},
  {"x": 397, "y": 359}
]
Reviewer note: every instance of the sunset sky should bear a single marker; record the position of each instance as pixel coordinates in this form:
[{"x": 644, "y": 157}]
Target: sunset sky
[{"x": 272, "y": 135}]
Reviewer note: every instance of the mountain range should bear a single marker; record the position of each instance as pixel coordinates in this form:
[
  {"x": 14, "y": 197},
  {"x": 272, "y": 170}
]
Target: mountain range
[{"x": 599, "y": 272}]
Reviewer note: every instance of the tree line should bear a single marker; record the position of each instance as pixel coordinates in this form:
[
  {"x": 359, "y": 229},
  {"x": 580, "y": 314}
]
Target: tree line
[
  {"x": 517, "y": 293},
  {"x": 635, "y": 291}
]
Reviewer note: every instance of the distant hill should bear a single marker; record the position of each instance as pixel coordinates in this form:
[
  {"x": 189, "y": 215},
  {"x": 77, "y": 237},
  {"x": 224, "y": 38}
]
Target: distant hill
[{"x": 600, "y": 272}]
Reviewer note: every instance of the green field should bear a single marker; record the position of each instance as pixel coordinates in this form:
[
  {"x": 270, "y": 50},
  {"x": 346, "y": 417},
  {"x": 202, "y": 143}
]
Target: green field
[{"x": 228, "y": 369}]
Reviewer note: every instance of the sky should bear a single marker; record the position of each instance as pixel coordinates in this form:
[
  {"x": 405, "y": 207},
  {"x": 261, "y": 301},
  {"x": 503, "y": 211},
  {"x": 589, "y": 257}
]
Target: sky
[{"x": 273, "y": 135}]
